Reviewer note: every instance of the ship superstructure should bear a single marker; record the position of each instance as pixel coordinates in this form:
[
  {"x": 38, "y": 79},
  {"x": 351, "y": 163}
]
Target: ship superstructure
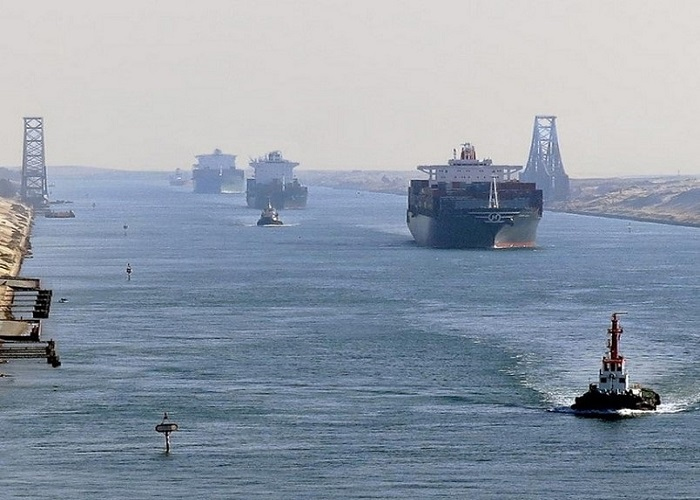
[
  {"x": 217, "y": 173},
  {"x": 472, "y": 203},
  {"x": 274, "y": 182},
  {"x": 614, "y": 390}
]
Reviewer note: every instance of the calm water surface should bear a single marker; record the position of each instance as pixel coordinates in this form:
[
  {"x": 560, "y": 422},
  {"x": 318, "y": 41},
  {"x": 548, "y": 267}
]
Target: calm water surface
[{"x": 333, "y": 358}]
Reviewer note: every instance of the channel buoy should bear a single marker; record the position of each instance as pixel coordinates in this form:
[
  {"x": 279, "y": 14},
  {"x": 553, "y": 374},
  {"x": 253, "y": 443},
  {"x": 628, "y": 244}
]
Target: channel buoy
[{"x": 165, "y": 428}]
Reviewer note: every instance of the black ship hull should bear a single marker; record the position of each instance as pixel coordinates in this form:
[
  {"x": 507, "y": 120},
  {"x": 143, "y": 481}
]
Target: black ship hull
[
  {"x": 595, "y": 400},
  {"x": 232, "y": 181},
  {"x": 462, "y": 219},
  {"x": 269, "y": 221},
  {"x": 206, "y": 181},
  {"x": 475, "y": 230},
  {"x": 280, "y": 196}
]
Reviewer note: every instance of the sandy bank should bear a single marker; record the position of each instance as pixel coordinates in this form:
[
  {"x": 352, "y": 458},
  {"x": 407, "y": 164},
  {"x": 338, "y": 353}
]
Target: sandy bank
[
  {"x": 15, "y": 228},
  {"x": 664, "y": 200}
]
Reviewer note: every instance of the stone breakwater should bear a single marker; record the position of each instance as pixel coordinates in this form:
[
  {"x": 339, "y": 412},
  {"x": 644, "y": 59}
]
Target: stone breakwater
[{"x": 15, "y": 228}]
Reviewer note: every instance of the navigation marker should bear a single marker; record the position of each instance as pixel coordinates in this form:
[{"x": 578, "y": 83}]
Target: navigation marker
[{"x": 166, "y": 427}]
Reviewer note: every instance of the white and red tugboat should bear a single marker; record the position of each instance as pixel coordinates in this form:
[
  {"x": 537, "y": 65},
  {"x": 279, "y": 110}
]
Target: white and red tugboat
[{"x": 613, "y": 391}]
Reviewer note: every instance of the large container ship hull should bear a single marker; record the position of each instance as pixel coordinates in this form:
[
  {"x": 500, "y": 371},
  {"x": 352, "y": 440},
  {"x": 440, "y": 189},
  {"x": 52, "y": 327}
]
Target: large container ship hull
[
  {"x": 206, "y": 181},
  {"x": 280, "y": 196},
  {"x": 459, "y": 216},
  {"x": 472, "y": 203},
  {"x": 217, "y": 173},
  {"x": 232, "y": 180},
  {"x": 274, "y": 183},
  {"x": 475, "y": 229}
]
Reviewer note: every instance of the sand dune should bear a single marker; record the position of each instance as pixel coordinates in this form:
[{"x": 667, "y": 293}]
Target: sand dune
[{"x": 15, "y": 227}]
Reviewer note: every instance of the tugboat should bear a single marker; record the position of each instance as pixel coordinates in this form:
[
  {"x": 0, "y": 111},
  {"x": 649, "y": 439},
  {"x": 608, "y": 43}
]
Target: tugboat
[
  {"x": 614, "y": 391},
  {"x": 269, "y": 217}
]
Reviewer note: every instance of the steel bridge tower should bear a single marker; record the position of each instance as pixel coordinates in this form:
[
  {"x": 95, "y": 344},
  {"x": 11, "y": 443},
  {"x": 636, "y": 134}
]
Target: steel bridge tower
[
  {"x": 544, "y": 165},
  {"x": 34, "y": 190}
]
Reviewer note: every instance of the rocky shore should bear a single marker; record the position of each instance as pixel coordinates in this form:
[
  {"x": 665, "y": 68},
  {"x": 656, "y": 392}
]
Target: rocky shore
[{"x": 666, "y": 200}]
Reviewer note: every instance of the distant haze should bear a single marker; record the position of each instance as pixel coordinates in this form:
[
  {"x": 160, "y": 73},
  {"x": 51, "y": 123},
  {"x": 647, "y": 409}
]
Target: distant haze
[{"x": 353, "y": 84}]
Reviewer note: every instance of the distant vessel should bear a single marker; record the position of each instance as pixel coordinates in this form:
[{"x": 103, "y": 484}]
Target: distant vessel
[
  {"x": 59, "y": 214},
  {"x": 275, "y": 183},
  {"x": 472, "y": 203},
  {"x": 178, "y": 178},
  {"x": 217, "y": 173},
  {"x": 613, "y": 390},
  {"x": 269, "y": 217}
]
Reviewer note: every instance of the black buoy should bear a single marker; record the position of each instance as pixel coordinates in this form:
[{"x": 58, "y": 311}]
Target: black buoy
[{"x": 166, "y": 427}]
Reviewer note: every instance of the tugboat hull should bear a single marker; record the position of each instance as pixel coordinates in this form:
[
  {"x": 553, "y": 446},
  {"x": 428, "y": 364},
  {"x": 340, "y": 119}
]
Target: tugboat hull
[
  {"x": 595, "y": 400},
  {"x": 269, "y": 222}
]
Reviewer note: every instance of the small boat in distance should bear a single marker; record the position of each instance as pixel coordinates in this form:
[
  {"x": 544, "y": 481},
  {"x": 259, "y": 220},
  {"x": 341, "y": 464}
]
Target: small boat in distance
[
  {"x": 178, "y": 178},
  {"x": 59, "y": 214},
  {"x": 613, "y": 392},
  {"x": 269, "y": 217}
]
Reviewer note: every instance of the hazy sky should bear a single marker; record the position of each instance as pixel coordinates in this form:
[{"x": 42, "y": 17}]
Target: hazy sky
[{"x": 365, "y": 84}]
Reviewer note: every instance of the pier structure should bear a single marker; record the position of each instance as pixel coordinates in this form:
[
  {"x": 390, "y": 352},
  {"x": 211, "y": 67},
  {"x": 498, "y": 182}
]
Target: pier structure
[
  {"x": 23, "y": 304},
  {"x": 34, "y": 188},
  {"x": 544, "y": 165}
]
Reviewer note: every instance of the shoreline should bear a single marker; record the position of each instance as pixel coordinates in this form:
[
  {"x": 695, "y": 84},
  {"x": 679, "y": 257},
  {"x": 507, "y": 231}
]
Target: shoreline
[
  {"x": 624, "y": 217},
  {"x": 15, "y": 230}
]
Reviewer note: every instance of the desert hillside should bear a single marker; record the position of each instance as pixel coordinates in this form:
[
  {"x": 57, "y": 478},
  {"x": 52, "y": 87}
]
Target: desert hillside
[{"x": 671, "y": 200}]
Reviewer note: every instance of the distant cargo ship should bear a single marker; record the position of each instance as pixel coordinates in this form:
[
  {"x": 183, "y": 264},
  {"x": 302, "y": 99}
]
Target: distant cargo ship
[
  {"x": 217, "y": 173},
  {"x": 275, "y": 183},
  {"x": 472, "y": 203},
  {"x": 178, "y": 178}
]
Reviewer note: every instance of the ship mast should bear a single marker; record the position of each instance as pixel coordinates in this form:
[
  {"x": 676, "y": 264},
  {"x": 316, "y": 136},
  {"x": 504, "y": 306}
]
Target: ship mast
[
  {"x": 493, "y": 193},
  {"x": 613, "y": 374},
  {"x": 615, "y": 331}
]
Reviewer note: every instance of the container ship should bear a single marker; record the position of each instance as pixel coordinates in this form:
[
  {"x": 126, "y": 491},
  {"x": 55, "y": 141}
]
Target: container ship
[
  {"x": 178, "y": 178},
  {"x": 217, "y": 173},
  {"x": 613, "y": 391},
  {"x": 471, "y": 203},
  {"x": 274, "y": 183}
]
